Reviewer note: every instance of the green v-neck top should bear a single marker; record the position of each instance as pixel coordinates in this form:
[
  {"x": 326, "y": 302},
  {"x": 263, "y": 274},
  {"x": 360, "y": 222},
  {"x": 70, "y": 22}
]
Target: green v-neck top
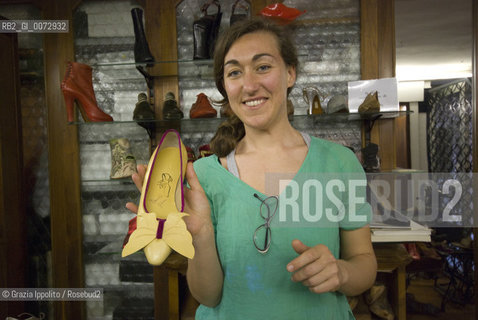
[{"x": 256, "y": 285}]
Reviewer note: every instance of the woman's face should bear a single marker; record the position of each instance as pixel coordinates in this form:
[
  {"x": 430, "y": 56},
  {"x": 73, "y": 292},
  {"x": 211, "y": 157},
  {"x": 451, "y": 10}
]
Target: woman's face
[{"x": 256, "y": 79}]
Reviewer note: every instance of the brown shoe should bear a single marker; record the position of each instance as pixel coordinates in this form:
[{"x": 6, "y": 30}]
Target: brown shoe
[
  {"x": 370, "y": 103},
  {"x": 202, "y": 108}
]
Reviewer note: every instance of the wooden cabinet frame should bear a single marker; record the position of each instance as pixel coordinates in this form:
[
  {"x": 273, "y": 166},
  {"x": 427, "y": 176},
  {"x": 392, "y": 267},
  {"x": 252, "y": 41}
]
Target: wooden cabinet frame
[{"x": 13, "y": 251}]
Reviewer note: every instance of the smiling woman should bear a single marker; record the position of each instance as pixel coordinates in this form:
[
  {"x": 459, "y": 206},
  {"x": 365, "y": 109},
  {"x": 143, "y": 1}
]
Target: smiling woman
[
  {"x": 293, "y": 272},
  {"x": 256, "y": 80},
  {"x": 284, "y": 56}
]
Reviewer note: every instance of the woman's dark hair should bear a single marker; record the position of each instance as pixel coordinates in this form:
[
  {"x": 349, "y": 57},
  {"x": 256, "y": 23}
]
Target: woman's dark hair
[{"x": 232, "y": 130}]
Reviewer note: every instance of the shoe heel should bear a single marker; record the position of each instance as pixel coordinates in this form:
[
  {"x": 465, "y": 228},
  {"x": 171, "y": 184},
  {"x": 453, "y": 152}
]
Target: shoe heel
[
  {"x": 70, "y": 109},
  {"x": 83, "y": 113}
]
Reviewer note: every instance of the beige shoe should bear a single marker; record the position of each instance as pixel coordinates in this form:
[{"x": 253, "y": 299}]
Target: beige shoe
[
  {"x": 370, "y": 104},
  {"x": 123, "y": 162}
]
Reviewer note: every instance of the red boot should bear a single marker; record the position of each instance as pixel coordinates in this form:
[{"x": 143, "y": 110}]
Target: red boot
[{"x": 78, "y": 85}]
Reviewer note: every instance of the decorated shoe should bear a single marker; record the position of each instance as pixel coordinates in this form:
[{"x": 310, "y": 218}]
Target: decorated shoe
[{"x": 159, "y": 227}]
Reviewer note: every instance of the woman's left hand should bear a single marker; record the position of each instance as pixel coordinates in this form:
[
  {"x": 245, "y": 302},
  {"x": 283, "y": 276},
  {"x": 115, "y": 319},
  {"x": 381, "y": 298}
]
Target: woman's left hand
[{"x": 316, "y": 267}]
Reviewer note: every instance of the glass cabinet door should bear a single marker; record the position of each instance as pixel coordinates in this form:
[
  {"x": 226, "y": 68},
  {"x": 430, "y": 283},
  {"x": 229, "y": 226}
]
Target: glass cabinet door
[{"x": 104, "y": 40}]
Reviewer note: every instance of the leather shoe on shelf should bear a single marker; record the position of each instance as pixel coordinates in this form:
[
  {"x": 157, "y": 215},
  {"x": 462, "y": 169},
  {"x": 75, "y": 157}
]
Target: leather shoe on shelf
[
  {"x": 143, "y": 113},
  {"x": 77, "y": 85},
  {"x": 123, "y": 162},
  {"x": 280, "y": 13},
  {"x": 370, "y": 103},
  {"x": 141, "y": 47},
  {"x": 159, "y": 227},
  {"x": 312, "y": 97},
  {"x": 235, "y": 17},
  {"x": 205, "y": 31},
  {"x": 337, "y": 104},
  {"x": 171, "y": 110},
  {"x": 202, "y": 108}
]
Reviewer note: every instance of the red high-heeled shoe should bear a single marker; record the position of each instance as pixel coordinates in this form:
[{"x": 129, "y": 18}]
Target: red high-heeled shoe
[
  {"x": 82, "y": 74},
  {"x": 78, "y": 85}
]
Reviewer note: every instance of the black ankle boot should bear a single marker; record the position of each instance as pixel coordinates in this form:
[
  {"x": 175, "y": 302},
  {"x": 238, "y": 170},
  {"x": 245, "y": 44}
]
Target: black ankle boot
[{"x": 141, "y": 48}]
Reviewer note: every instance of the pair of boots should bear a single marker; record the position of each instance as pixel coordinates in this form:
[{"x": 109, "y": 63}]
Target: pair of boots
[{"x": 77, "y": 85}]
